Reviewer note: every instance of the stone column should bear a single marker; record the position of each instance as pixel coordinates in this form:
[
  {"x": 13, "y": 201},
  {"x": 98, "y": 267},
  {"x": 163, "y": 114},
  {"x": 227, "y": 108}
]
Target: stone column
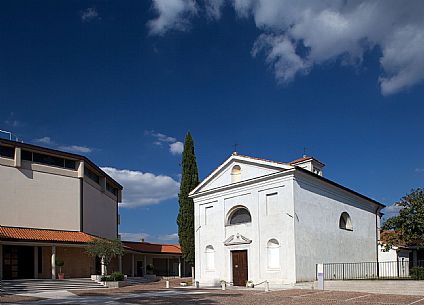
[
  {"x": 53, "y": 262},
  {"x": 104, "y": 271},
  {"x": 179, "y": 266},
  {"x": 132, "y": 265},
  {"x": 1, "y": 262},
  {"x": 36, "y": 262}
]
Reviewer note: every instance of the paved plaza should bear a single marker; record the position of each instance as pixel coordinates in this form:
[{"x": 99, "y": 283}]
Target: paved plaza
[{"x": 156, "y": 294}]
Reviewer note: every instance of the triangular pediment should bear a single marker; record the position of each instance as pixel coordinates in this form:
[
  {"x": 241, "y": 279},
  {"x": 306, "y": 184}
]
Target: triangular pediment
[
  {"x": 237, "y": 239},
  {"x": 250, "y": 168}
]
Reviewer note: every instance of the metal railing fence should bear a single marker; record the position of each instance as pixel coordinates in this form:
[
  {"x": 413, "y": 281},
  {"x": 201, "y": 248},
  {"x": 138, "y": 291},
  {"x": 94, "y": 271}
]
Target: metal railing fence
[{"x": 369, "y": 270}]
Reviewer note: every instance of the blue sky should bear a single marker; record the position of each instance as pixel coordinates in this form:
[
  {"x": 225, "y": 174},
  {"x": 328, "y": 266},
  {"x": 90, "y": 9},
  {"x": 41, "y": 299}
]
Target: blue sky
[{"x": 123, "y": 81}]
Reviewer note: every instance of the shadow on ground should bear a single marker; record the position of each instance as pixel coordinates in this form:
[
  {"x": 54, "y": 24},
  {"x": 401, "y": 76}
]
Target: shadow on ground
[{"x": 206, "y": 299}]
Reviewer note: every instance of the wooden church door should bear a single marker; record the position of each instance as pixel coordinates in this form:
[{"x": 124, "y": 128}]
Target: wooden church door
[{"x": 240, "y": 270}]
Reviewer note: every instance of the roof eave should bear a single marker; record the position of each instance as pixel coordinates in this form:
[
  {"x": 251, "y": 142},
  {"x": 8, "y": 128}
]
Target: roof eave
[{"x": 305, "y": 171}]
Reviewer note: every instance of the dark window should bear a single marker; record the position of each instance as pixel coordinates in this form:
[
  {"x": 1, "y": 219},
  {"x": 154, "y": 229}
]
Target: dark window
[
  {"x": 345, "y": 222},
  {"x": 90, "y": 174},
  {"x": 26, "y": 155},
  {"x": 111, "y": 189},
  {"x": 70, "y": 164},
  {"x": 7, "y": 152},
  {"x": 241, "y": 215},
  {"x": 48, "y": 160}
]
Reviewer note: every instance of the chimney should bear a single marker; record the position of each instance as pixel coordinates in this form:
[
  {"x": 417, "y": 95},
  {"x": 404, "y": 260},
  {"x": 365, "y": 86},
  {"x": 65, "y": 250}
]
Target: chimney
[{"x": 309, "y": 163}]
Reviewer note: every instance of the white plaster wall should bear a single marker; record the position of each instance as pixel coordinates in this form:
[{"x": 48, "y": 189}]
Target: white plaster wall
[
  {"x": 386, "y": 256},
  {"x": 278, "y": 224},
  {"x": 248, "y": 171},
  {"x": 39, "y": 200},
  {"x": 99, "y": 212},
  {"x": 394, "y": 262},
  {"x": 213, "y": 231},
  {"x": 318, "y": 207}
]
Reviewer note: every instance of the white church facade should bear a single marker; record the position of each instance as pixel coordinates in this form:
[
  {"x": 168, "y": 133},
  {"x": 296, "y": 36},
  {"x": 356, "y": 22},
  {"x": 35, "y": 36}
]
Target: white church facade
[{"x": 258, "y": 220}]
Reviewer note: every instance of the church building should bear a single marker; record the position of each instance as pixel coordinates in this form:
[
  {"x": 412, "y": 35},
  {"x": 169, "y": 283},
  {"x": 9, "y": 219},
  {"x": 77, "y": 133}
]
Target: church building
[{"x": 258, "y": 220}]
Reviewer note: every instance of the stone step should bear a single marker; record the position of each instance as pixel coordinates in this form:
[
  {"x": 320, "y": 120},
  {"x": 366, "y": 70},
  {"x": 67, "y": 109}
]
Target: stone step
[{"x": 33, "y": 286}]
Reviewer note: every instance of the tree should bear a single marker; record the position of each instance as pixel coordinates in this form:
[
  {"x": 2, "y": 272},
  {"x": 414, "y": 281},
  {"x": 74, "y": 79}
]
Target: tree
[
  {"x": 189, "y": 180},
  {"x": 105, "y": 249},
  {"x": 408, "y": 227}
]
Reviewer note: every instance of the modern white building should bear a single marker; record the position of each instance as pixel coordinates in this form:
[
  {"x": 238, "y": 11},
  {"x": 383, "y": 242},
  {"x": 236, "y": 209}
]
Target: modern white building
[
  {"x": 52, "y": 204},
  {"x": 259, "y": 220}
]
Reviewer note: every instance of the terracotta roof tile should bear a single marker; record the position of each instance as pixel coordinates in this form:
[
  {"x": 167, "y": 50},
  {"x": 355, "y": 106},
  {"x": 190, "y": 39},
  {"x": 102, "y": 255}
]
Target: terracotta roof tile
[
  {"x": 152, "y": 248},
  {"x": 300, "y": 160},
  {"x": 28, "y": 234}
]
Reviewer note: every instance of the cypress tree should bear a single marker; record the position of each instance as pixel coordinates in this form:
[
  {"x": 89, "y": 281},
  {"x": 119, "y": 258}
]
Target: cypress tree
[{"x": 189, "y": 180}]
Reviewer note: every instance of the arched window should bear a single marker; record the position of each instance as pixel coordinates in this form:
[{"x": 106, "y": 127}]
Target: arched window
[
  {"x": 239, "y": 215},
  {"x": 236, "y": 174},
  {"x": 273, "y": 254},
  {"x": 345, "y": 222},
  {"x": 210, "y": 258}
]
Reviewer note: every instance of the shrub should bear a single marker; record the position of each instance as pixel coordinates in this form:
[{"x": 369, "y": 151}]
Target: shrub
[
  {"x": 149, "y": 269},
  {"x": 417, "y": 273},
  {"x": 114, "y": 277},
  {"x": 59, "y": 263}
]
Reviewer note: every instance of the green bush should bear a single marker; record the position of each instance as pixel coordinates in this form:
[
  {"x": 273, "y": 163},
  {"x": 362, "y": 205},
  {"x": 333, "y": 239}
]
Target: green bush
[
  {"x": 114, "y": 277},
  {"x": 417, "y": 273},
  {"x": 149, "y": 269}
]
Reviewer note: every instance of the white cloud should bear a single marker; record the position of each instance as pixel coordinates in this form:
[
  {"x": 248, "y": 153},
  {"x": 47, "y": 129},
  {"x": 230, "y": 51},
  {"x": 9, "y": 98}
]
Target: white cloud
[
  {"x": 142, "y": 189},
  {"x": 12, "y": 121},
  {"x": 419, "y": 170},
  {"x": 172, "y": 15},
  {"x": 213, "y": 8},
  {"x": 125, "y": 236},
  {"x": 44, "y": 140},
  {"x": 89, "y": 14},
  {"x": 281, "y": 55},
  {"x": 168, "y": 237},
  {"x": 298, "y": 35},
  {"x": 161, "y": 138},
  {"x": 137, "y": 237},
  {"x": 391, "y": 210},
  {"x": 175, "y": 147},
  {"x": 76, "y": 149}
]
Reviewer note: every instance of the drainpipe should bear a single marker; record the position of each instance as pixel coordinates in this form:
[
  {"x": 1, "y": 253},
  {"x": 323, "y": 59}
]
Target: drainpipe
[{"x": 376, "y": 238}]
